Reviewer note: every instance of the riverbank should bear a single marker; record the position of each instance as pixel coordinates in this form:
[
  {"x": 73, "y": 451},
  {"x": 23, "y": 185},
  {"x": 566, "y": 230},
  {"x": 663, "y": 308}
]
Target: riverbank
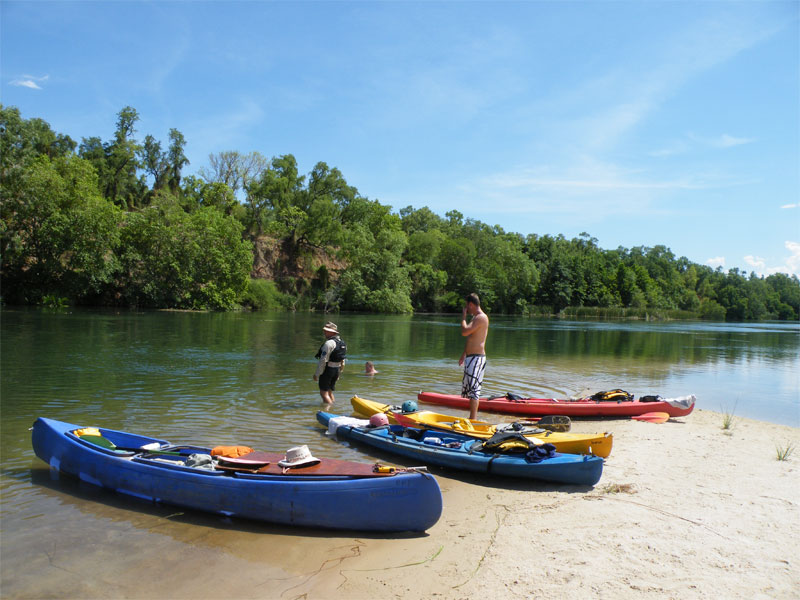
[{"x": 683, "y": 510}]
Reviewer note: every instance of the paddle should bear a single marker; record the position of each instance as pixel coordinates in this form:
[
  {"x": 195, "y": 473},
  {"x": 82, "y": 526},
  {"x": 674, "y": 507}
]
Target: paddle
[{"x": 652, "y": 417}]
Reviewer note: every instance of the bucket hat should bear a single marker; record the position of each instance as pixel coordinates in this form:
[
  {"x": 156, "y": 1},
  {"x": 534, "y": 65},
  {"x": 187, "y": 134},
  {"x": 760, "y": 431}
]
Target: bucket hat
[
  {"x": 297, "y": 457},
  {"x": 330, "y": 327}
]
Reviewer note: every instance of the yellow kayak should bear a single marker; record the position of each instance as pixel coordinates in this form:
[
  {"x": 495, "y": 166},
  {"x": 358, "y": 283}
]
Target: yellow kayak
[{"x": 598, "y": 444}]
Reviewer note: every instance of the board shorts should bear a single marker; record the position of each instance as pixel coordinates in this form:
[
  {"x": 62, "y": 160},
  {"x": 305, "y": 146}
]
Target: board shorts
[
  {"x": 327, "y": 381},
  {"x": 474, "y": 366}
]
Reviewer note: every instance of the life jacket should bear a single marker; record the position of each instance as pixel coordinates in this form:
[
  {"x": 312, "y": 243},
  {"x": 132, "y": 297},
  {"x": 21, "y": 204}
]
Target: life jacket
[
  {"x": 504, "y": 442},
  {"x": 339, "y": 352},
  {"x": 612, "y": 396}
]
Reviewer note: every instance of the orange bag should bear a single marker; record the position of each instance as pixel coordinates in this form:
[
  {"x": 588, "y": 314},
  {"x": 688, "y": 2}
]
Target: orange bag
[{"x": 231, "y": 451}]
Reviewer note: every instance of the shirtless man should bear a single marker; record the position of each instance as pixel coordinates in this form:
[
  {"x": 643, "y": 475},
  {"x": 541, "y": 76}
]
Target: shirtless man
[{"x": 474, "y": 356}]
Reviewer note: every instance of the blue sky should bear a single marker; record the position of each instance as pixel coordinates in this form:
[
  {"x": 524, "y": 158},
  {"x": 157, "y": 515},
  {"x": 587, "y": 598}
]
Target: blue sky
[{"x": 640, "y": 123}]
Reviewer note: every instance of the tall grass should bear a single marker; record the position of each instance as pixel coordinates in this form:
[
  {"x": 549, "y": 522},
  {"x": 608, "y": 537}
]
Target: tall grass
[
  {"x": 728, "y": 420},
  {"x": 784, "y": 452}
]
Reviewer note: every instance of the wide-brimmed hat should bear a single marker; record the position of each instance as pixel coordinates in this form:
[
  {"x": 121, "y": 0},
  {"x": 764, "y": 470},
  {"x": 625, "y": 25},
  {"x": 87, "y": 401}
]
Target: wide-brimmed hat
[
  {"x": 297, "y": 457},
  {"x": 330, "y": 327}
]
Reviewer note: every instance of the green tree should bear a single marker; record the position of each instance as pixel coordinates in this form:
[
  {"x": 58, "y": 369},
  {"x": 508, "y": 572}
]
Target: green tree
[
  {"x": 22, "y": 140},
  {"x": 59, "y": 237},
  {"x": 787, "y": 290},
  {"x": 373, "y": 244},
  {"x": 117, "y": 163},
  {"x": 176, "y": 159},
  {"x": 183, "y": 260},
  {"x": 276, "y": 198}
]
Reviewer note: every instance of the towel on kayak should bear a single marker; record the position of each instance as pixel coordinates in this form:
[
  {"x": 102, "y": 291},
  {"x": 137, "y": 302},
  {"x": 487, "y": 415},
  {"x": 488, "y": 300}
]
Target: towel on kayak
[
  {"x": 337, "y": 422},
  {"x": 539, "y": 453},
  {"x": 200, "y": 461},
  {"x": 682, "y": 401}
]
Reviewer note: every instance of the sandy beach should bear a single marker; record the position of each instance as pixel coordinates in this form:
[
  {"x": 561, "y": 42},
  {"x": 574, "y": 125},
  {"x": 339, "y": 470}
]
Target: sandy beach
[{"x": 684, "y": 510}]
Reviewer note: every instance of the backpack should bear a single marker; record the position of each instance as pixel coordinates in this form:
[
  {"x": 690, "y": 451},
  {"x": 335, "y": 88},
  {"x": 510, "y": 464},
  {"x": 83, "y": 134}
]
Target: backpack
[{"x": 339, "y": 352}]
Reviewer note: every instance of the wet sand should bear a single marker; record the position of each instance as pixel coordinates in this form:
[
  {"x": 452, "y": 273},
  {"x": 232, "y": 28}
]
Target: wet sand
[{"x": 684, "y": 510}]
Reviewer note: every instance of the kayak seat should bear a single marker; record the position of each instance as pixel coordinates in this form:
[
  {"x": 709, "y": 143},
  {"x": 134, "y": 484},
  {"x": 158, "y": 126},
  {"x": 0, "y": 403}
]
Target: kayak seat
[
  {"x": 461, "y": 424},
  {"x": 412, "y": 433}
]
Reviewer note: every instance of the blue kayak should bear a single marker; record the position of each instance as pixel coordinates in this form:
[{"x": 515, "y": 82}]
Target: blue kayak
[
  {"x": 455, "y": 451},
  {"x": 333, "y": 494}
]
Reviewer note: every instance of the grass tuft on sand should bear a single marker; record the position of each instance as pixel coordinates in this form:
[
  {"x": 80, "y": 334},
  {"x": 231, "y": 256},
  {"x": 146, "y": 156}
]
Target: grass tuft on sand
[
  {"x": 784, "y": 452},
  {"x": 618, "y": 488}
]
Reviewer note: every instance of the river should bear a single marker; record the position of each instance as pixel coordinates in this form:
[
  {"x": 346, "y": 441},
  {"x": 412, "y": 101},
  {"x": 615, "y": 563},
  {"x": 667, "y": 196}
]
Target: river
[{"x": 246, "y": 378}]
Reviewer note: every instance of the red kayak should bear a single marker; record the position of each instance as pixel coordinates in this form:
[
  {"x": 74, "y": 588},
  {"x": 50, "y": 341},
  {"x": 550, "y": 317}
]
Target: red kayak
[{"x": 583, "y": 407}]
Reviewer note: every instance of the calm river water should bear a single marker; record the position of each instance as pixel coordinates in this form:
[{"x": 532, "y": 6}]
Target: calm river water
[{"x": 245, "y": 378}]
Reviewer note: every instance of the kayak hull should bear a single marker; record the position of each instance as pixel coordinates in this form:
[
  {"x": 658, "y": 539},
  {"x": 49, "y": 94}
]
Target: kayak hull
[
  {"x": 599, "y": 444},
  {"x": 561, "y": 468},
  {"x": 570, "y": 408},
  {"x": 401, "y": 502}
]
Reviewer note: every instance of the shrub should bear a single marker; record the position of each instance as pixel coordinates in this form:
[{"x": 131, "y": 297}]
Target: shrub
[{"x": 262, "y": 294}]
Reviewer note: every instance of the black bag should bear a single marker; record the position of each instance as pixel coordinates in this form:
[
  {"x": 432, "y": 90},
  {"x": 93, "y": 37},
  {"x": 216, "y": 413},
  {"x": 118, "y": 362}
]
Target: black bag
[{"x": 655, "y": 398}]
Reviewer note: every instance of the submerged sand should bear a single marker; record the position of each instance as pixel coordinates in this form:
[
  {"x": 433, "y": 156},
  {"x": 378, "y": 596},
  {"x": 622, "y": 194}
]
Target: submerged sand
[{"x": 684, "y": 509}]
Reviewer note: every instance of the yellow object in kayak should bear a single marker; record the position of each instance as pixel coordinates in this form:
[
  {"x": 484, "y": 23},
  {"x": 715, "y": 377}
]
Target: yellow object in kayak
[{"x": 87, "y": 431}]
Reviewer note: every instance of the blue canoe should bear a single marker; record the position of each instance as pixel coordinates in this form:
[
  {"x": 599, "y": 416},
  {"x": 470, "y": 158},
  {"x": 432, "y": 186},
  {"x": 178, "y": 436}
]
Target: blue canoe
[
  {"x": 314, "y": 496},
  {"x": 452, "y": 450}
]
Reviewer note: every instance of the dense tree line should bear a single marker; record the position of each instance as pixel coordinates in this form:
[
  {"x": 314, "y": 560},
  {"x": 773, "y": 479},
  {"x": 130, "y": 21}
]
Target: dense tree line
[{"x": 117, "y": 222}]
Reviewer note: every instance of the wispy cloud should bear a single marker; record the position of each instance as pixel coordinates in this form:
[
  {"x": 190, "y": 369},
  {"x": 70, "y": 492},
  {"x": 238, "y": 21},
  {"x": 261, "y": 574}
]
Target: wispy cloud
[
  {"x": 228, "y": 133},
  {"x": 717, "y": 261},
  {"x": 589, "y": 189},
  {"x": 722, "y": 141},
  {"x": 29, "y": 81},
  {"x": 691, "y": 141},
  {"x": 630, "y": 93},
  {"x": 795, "y": 205},
  {"x": 582, "y": 170}
]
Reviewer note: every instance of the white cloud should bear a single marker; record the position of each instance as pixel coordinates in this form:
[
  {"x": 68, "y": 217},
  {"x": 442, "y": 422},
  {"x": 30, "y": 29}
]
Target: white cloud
[
  {"x": 796, "y": 205},
  {"x": 717, "y": 261},
  {"x": 791, "y": 264},
  {"x": 30, "y": 81},
  {"x": 756, "y": 262}
]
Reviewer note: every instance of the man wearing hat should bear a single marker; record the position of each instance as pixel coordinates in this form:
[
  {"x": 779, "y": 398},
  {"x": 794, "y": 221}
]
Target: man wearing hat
[{"x": 331, "y": 357}]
